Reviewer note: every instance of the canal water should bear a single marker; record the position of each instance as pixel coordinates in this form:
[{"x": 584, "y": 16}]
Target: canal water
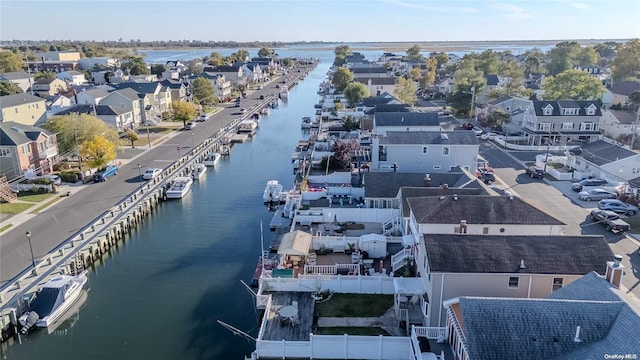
[{"x": 159, "y": 294}]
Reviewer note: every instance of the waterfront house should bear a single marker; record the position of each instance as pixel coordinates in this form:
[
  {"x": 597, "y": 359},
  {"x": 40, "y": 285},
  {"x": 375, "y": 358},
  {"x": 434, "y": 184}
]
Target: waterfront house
[
  {"x": 23, "y": 109},
  {"x": 619, "y": 125},
  {"x": 378, "y": 85},
  {"x": 384, "y": 121},
  {"x": 619, "y": 93},
  {"x": 254, "y": 72},
  {"x": 92, "y": 96},
  {"x": 97, "y": 63},
  {"x": 221, "y": 86},
  {"x": 513, "y": 266},
  {"x": 604, "y": 160},
  {"x": 562, "y": 122},
  {"x": 369, "y": 71},
  {"x": 583, "y": 320},
  {"x": 178, "y": 90},
  {"x": 156, "y": 97},
  {"x": 127, "y": 99},
  {"x": 24, "y": 147},
  {"x": 233, "y": 73},
  {"x": 22, "y": 79},
  {"x": 49, "y": 87},
  {"x": 72, "y": 77},
  {"x": 117, "y": 117},
  {"x": 424, "y": 151}
]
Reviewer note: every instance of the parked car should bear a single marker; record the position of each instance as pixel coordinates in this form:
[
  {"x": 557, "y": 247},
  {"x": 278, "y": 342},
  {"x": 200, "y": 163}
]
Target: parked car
[
  {"x": 104, "y": 173},
  {"x": 203, "y": 118},
  {"x": 190, "y": 125},
  {"x": 618, "y": 206},
  {"x": 596, "y": 194},
  {"x": 588, "y": 183},
  {"x": 488, "y": 136},
  {"x": 486, "y": 176},
  {"x": 243, "y": 110},
  {"x": 611, "y": 220},
  {"x": 477, "y": 131},
  {"x": 55, "y": 179},
  {"x": 261, "y": 97},
  {"x": 535, "y": 172},
  {"x": 151, "y": 173}
]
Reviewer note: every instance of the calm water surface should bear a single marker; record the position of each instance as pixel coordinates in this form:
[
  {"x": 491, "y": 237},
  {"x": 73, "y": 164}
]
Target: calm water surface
[{"x": 158, "y": 295}]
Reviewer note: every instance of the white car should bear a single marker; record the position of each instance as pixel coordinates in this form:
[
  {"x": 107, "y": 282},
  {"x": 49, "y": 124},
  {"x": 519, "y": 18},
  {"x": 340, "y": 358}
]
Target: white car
[
  {"x": 151, "y": 173},
  {"x": 489, "y": 135},
  {"x": 54, "y": 178},
  {"x": 190, "y": 126}
]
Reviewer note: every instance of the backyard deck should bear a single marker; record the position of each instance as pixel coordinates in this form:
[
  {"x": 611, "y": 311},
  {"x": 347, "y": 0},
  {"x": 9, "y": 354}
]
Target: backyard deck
[{"x": 277, "y": 329}]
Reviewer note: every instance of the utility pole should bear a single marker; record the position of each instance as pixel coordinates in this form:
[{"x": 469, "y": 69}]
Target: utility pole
[
  {"x": 635, "y": 128},
  {"x": 75, "y": 138}
]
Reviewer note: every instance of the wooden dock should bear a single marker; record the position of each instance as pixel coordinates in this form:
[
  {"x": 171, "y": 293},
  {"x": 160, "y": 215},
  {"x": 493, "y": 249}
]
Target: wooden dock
[
  {"x": 278, "y": 220},
  {"x": 239, "y": 138}
]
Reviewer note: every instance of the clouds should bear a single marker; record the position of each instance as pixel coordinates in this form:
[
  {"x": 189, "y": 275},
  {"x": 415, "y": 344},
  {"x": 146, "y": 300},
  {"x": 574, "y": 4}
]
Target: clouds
[
  {"x": 430, "y": 6},
  {"x": 512, "y": 11},
  {"x": 580, "y": 5}
]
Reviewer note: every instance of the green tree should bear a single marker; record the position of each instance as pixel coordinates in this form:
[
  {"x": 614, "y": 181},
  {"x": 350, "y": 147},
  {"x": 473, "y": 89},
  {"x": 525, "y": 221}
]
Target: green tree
[
  {"x": 573, "y": 85},
  {"x": 287, "y": 62},
  {"x": 413, "y": 53},
  {"x": 460, "y": 101},
  {"x": 586, "y": 57},
  {"x": 497, "y": 118},
  {"x": 634, "y": 99},
  {"x": 606, "y": 49},
  {"x": 265, "y": 52},
  {"x": 405, "y": 91},
  {"x": 158, "y": 69},
  {"x": 442, "y": 58},
  {"x": 98, "y": 151},
  {"x": 513, "y": 76},
  {"x": 562, "y": 56},
  {"x": 9, "y": 88},
  {"x": 80, "y": 127},
  {"x": 355, "y": 92},
  {"x": 10, "y": 62},
  {"x": 533, "y": 61},
  {"x": 487, "y": 62},
  {"x": 350, "y": 123},
  {"x": 626, "y": 65},
  {"x": 341, "y": 78},
  {"x": 341, "y": 52},
  {"x": 216, "y": 59},
  {"x": 203, "y": 92},
  {"x": 415, "y": 73},
  {"x": 131, "y": 136},
  {"x": 430, "y": 76},
  {"x": 135, "y": 65},
  {"x": 467, "y": 77},
  {"x": 183, "y": 111},
  {"x": 44, "y": 75}
]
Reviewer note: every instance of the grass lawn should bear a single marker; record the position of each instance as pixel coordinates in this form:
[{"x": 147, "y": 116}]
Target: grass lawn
[
  {"x": 355, "y": 305},
  {"x": 14, "y": 208},
  {"x": 33, "y": 197},
  {"x": 362, "y": 331},
  {"x": 5, "y": 227}
]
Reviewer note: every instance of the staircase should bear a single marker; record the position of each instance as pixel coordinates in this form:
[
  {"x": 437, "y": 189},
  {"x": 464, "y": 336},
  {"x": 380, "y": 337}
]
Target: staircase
[
  {"x": 6, "y": 193},
  {"x": 398, "y": 259},
  {"x": 392, "y": 226}
]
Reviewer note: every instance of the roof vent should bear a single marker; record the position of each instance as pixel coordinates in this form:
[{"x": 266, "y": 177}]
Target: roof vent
[
  {"x": 577, "y": 337},
  {"x": 522, "y": 267},
  {"x": 617, "y": 260},
  {"x": 444, "y": 137},
  {"x": 442, "y": 197},
  {"x": 455, "y": 196}
]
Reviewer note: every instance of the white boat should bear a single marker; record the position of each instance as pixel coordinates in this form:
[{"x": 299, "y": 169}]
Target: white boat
[
  {"x": 180, "y": 186},
  {"x": 247, "y": 126},
  {"x": 272, "y": 191},
  {"x": 198, "y": 171},
  {"x": 306, "y": 123},
  {"x": 265, "y": 111},
  {"x": 52, "y": 300},
  {"x": 211, "y": 159}
]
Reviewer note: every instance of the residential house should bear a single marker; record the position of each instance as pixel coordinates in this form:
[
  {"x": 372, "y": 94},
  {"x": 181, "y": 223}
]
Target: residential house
[
  {"x": 562, "y": 122},
  {"x": 378, "y": 85},
  {"x": 144, "y": 78},
  {"x": 72, "y": 77},
  {"x": 221, "y": 86},
  {"x": 92, "y": 96},
  {"x": 369, "y": 71},
  {"x": 24, "y": 109},
  {"x": 20, "y": 78},
  {"x": 535, "y": 82},
  {"x": 619, "y": 124},
  {"x": 97, "y": 63},
  {"x": 513, "y": 106},
  {"x": 268, "y": 64},
  {"x": 119, "y": 118},
  {"x": 24, "y": 147},
  {"x": 354, "y": 58},
  {"x": 57, "y": 56},
  {"x": 424, "y": 151},
  {"x": 445, "y": 84},
  {"x": 233, "y": 73},
  {"x": 170, "y": 74},
  {"x": 604, "y": 160},
  {"x": 583, "y": 320},
  {"x": 51, "y": 66},
  {"x": 254, "y": 73},
  {"x": 157, "y": 99},
  {"x": 57, "y": 103},
  {"x": 619, "y": 93},
  {"x": 178, "y": 90},
  {"x": 49, "y": 87},
  {"x": 511, "y": 266},
  {"x": 493, "y": 82},
  {"x": 404, "y": 121},
  {"x": 100, "y": 77},
  {"x": 127, "y": 99}
]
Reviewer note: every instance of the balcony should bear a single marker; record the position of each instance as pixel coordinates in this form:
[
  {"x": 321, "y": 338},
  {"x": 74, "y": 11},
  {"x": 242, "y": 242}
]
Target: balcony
[{"x": 48, "y": 153}]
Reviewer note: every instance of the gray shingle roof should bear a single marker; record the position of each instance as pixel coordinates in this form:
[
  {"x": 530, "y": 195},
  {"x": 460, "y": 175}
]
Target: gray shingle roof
[
  {"x": 18, "y": 99},
  {"x": 394, "y": 108},
  {"x": 16, "y": 75},
  {"x": 484, "y": 209},
  {"x": 625, "y": 88},
  {"x": 141, "y": 88},
  {"x": 492, "y": 79},
  {"x": 95, "y": 93},
  {"x": 377, "y": 80},
  {"x": 462, "y": 137},
  {"x": 568, "y": 255},
  {"x": 589, "y": 287},
  {"x": 12, "y": 133},
  {"x": 129, "y": 94},
  {"x": 601, "y": 152},
  {"x": 474, "y": 188},
  {"x": 386, "y": 184},
  {"x": 497, "y": 329},
  {"x": 624, "y": 116},
  {"x": 89, "y": 109},
  {"x": 406, "y": 118}
]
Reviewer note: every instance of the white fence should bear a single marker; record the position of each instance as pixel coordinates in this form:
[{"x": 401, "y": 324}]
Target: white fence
[
  {"x": 377, "y": 284},
  {"x": 559, "y": 175},
  {"x": 500, "y": 140},
  {"x": 338, "y": 347},
  {"x": 29, "y": 187}
]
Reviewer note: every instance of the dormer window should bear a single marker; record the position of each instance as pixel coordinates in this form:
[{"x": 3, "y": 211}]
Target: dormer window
[
  {"x": 547, "y": 110},
  {"x": 591, "y": 110}
]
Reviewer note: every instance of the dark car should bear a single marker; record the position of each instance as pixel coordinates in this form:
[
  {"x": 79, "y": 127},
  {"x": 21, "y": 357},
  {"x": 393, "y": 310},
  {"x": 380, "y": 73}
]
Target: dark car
[
  {"x": 588, "y": 183},
  {"x": 535, "y": 172},
  {"x": 261, "y": 97},
  {"x": 486, "y": 176}
]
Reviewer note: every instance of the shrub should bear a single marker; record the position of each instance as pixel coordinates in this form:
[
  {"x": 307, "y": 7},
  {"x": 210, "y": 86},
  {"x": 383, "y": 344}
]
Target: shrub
[
  {"x": 42, "y": 181},
  {"x": 68, "y": 176}
]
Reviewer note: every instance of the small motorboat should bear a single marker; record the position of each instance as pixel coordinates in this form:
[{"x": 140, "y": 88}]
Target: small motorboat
[
  {"x": 211, "y": 159},
  {"x": 179, "y": 187},
  {"x": 225, "y": 150},
  {"x": 306, "y": 123},
  {"x": 198, "y": 171},
  {"x": 266, "y": 111},
  {"x": 272, "y": 191},
  {"x": 247, "y": 127},
  {"x": 51, "y": 301}
]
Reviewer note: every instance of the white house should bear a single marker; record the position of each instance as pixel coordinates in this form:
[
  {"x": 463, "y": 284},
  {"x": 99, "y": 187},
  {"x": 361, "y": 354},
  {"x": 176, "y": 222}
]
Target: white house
[
  {"x": 126, "y": 99},
  {"x": 101, "y": 62},
  {"x": 405, "y": 121},
  {"x": 378, "y": 85},
  {"x": 20, "y": 78},
  {"x": 72, "y": 77},
  {"x": 617, "y": 124},
  {"x": 424, "y": 151},
  {"x": 604, "y": 160},
  {"x": 90, "y": 97}
]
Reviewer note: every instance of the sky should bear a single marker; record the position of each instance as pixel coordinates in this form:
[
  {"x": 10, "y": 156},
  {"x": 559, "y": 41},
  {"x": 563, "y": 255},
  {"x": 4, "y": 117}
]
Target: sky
[{"x": 320, "y": 20}]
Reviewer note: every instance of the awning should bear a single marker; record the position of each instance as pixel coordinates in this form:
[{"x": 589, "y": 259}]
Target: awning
[
  {"x": 295, "y": 243},
  {"x": 409, "y": 286}
]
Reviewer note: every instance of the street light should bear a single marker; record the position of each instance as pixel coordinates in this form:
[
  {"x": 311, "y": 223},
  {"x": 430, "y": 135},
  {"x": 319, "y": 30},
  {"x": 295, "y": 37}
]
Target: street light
[
  {"x": 33, "y": 259},
  {"x": 192, "y": 140}
]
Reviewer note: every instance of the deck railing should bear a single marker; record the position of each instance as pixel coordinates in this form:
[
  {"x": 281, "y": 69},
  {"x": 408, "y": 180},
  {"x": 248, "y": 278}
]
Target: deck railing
[
  {"x": 352, "y": 269},
  {"x": 397, "y": 259}
]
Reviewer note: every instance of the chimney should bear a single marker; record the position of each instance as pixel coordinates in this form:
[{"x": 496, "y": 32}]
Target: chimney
[
  {"x": 463, "y": 226},
  {"x": 615, "y": 270},
  {"x": 427, "y": 180},
  {"x": 577, "y": 337},
  {"x": 522, "y": 267},
  {"x": 455, "y": 196}
]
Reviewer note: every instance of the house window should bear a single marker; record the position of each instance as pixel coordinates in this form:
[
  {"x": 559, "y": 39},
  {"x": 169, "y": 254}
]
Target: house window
[
  {"x": 514, "y": 282},
  {"x": 485, "y": 230},
  {"x": 591, "y": 110},
  {"x": 544, "y": 127},
  {"x": 425, "y": 150},
  {"x": 567, "y": 126},
  {"x": 16, "y": 109},
  {"x": 26, "y": 149},
  {"x": 547, "y": 110},
  {"x": 445, "y": 151},
  {"x": 588, "y": 126},
  {"x": 635, "y": 170},
  {"x": 437, "y": 167},
  {"x": 557, "y": 283},
  {"x": 5, "y": 152},
  {"x": 570, "y": 111}
]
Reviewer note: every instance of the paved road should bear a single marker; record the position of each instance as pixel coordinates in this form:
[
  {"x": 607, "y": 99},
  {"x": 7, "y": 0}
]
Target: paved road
[
  {"x": 557, "y": 198},
  {"x": 65, "y": 218}
]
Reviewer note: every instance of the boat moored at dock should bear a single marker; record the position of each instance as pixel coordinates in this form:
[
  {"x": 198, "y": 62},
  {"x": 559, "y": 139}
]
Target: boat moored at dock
[
  {"x": 180, "y": 186},
  {"x": 198, "y": 171},
  {"x": 247, "y": 127},
  {"x": 211, "y": 159},
  {"x": 272, "y": 191}
]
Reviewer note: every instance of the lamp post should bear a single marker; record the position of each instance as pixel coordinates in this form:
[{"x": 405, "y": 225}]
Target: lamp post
[
  {"x": 192, "y": 139},
  {"x": 33, "y": 259},
  {"x": 140, "y": 173}
]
